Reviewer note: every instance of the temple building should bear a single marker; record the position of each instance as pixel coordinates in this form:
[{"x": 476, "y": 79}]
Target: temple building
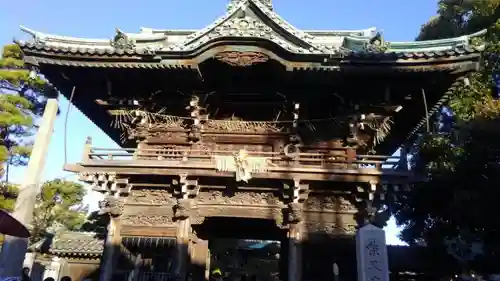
[{"x": 249, "y": 129}]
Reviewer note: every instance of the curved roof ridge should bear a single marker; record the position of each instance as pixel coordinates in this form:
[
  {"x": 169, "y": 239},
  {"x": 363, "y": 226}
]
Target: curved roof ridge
[
  {"x": 47, "y": 37},
  {"x": 146, "y": 36},
  {"x": 282, "y": 22},
  {"x": 460, "y": 39},
  {"x": 437, "y": 44},
  {"x": 367, "y": 32},
  {"x": 165, "y": 31},
  {"x": 199, "y": 33}
]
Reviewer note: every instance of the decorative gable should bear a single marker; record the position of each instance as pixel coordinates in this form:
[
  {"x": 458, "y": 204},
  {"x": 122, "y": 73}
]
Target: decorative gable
[{"x": 256, "y": 20}]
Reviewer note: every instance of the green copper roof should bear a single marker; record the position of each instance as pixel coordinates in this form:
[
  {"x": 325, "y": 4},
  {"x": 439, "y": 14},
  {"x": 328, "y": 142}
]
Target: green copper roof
[{"x": 252, "y": 20}]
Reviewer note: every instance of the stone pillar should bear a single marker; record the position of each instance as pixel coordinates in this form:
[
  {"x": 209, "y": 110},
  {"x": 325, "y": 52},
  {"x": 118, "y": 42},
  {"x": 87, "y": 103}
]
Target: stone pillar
[
  {"x": 112, "y": 207},
  {"x": 14, "y": 248},
  {"x": 295, "y": 252},
  {"x": 371, "y": 254}
]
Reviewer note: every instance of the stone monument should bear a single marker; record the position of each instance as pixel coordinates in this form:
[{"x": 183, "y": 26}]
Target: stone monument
[{"x": 371, "y": 254}]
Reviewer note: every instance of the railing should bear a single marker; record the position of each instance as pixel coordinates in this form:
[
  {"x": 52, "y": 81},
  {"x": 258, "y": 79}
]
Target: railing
[
  {"x": 143, "y": 276},
  {"x": 340, "y": 159}
]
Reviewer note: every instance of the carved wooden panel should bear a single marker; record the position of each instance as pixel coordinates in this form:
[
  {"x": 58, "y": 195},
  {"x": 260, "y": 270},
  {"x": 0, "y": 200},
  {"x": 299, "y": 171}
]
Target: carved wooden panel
[
  {"x": 238, "y": 212},
  {"x": 327, "y": 216},
  {"x": 332, "y": 203},
  {"x": 329, "y": 229},
  {"x": 239, "y": 198},
  {"x": 241, "y": 59},
  {"x": 150, "y": 197},
  {"x": 149, "y": 231},
  {"x": 147, "y": 219}
]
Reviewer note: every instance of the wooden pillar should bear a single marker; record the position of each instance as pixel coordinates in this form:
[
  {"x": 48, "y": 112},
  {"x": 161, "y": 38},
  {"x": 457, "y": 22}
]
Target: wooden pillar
[
  {"x": 187, "y": 190},
  {"x": 111, "y": 250},
  {"x": 295, "y": 252},
  {"x": 182, "y": 259},
  {"x": 200, "y": 259},
  {"x": 111, "y": 206},
  {"x": 14, "y": 248}
]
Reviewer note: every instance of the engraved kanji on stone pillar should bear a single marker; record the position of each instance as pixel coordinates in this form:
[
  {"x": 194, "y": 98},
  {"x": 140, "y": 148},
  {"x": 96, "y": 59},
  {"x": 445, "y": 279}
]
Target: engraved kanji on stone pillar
[
  {"x": 371, "y": 254},
  {"x": 371, "y": 248}
]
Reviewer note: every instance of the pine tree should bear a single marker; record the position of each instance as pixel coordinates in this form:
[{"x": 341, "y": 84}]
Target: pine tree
[
  {"x": 23, "y": 95},
  {"x": 59, "y": 206}
]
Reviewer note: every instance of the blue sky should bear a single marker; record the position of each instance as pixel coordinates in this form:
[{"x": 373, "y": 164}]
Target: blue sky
[{"x": 399, "y": 20}]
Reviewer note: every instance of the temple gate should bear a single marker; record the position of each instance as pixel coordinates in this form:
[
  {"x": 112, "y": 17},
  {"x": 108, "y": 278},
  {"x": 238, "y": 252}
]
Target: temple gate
[{"x": 249, "y": 121}]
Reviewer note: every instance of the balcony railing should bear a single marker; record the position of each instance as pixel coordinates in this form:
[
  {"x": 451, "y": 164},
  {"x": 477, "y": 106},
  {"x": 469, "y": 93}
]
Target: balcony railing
[{"x": 340, "y": 159}]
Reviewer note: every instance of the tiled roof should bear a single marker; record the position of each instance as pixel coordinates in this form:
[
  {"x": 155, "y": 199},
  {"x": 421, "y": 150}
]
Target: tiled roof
[
  {"x": 76, "y": 244},
  {"x": 389, "y": 55},
  {"x": 252, "y": 20}
]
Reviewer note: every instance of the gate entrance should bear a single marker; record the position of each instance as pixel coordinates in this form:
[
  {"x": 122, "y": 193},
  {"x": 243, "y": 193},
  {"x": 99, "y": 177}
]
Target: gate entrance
[{"x": 244, "y": 248}]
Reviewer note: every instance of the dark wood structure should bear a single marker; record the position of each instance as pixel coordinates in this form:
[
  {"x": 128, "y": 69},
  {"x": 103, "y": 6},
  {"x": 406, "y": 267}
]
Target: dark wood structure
[{"x": 248, "y": 120}]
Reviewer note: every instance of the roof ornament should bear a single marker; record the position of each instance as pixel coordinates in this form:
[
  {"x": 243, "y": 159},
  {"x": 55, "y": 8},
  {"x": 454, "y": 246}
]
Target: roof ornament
[
  {"x": 377, "y": 44},
  {"x": 38, "y": 37},
  {"x": 122, "y": 41},
  {"x": 233, "y": 3}
]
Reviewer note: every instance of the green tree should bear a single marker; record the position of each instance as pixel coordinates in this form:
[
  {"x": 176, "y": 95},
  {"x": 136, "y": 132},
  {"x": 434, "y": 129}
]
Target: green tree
[
  {"x": 462, "y": 162},
  {"x": 8, "y": 195},
  {"x": 23, "y": 96},
  {"x": 59, "y": 206}
]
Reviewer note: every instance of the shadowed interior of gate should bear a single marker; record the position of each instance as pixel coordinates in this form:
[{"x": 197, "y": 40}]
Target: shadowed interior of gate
[{"x": 241, "y": 247}]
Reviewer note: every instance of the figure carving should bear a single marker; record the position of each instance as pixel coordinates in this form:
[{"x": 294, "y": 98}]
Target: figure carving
[
  {"x": 241, "y": 59},
  {"x": 239, "y": 198},
  {"x": 150, "y": 196},
  {"x": 111, "y": 206},
  {"x": 147, "y": 220},
  {"x": 241, "y": 164}
]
